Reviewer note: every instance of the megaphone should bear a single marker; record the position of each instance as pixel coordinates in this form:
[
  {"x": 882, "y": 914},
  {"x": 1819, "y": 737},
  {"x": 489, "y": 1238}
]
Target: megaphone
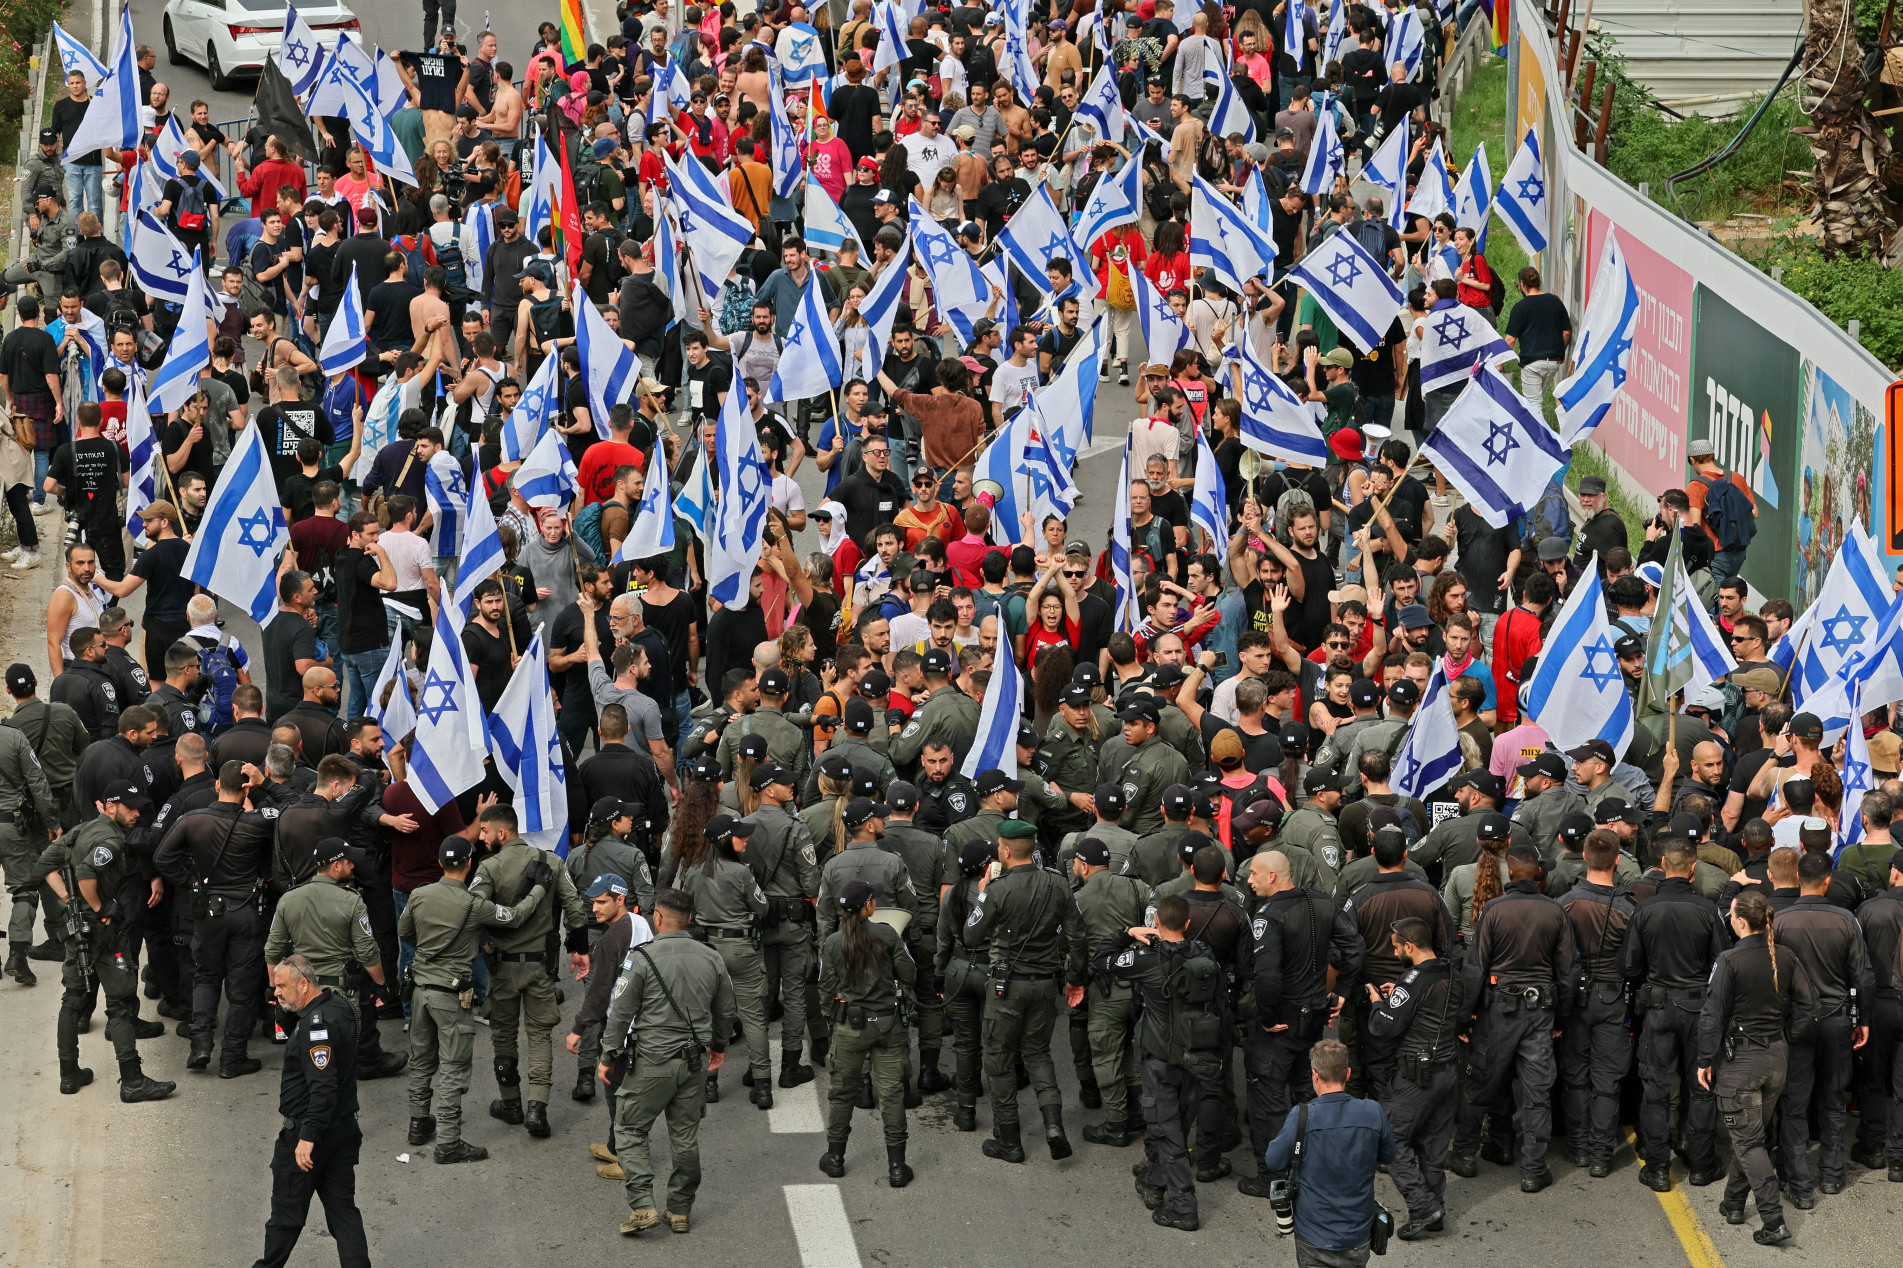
[
  {"x": 987, "y": 491},
  {"x": 1375, "y": 431},
  {"x": 895, "y": 917},
  {"x": 1248, "y": 466}
]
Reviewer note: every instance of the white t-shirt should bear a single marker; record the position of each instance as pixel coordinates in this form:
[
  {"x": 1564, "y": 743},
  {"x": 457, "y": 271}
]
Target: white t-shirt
[
  {"x": 927, "y": 156},
  {"x": 908, "y": 628},
  {"x": 410, "y": 558},
  {"x": 787, "y": 497},
  {"x": 1012, "y": 385},
  {"x": 1153, "y": 436},
  {"x": 951, "y": 73}
]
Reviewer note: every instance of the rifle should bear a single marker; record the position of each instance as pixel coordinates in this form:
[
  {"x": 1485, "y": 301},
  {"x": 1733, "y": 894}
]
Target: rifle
[{"x": 75, "y": 927}]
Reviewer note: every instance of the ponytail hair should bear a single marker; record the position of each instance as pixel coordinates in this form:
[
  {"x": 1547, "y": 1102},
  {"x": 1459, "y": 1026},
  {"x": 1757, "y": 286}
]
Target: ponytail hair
[
  {"x": 1752, "y": 908},
  {"x": 744, "y": 792},
  {"x": 838, "y": 790},
  {"x": 859, "y": 946},
  {"x": 1487, "y": 885}
]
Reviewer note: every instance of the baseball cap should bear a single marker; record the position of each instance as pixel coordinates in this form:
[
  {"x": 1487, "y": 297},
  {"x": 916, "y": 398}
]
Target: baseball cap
[
  {"x": 1548, "y": 764},
  {"x": 1267, "y": 813},
  {"x": 20, "y": 678},
  {"x": 609, "y": 808},
  {"x": 1553, "y": 549},
  {"x": 726, "y": 827},
  {"x": 865, "y": 783},
  {"x": 855, "y": 895},
  {"x": 1685, "y": 825},
  {"x": 1320, "y": 779},
  {"x": 1140, "y": 709},
  {"x": 754, "y": 746},
  {"x": 771, "y": 773},
  {"x": 774, "y": 682},
  {"x": 49, "y": 136},
  {"x": 1363, "y": 694},
  {"x": 982, "y": 327},
  {"x": 537, "y": 269},
  {"x": 1086, "y": 675},
  {"x": 1765, "y": 680},
  {"x": 1807, "y": 726},
  {"x": 328, "y": 850},
  {"x": 1348, "y": 593},
  {"x": 454, "y": 851},
  {"x": 1094, "y": 852},
  {"x": 938, "y": 661},
  {"x": 964, "y": 132},
  {"x": 1076, "y": 695},
  {"x": 994, "y": 780},
  {"x": 506, "y": 216},
  {"x": 1574, "y": 827},
  {"x": 1341, "y": 359},
  {"x": 883, "y": 198},
  {"x": 1293, "y": 735},
  {"x": 901, "y": 795},
  {"x": 1109, "y": 797},
  {"x": 1414, "y": 616},
  {"x": 971, "y": 228},
  {"x": 1189, "y": 843},
  {"x": 1180, "y": 797},
  {"x": 1591, "y": 749},
  {"x": 706, "y": 769},
  {"x": 862, "y": 809},
  {"x": 160, "y": 510},
  {"x": 858, "y": 716},
  {"x": 608, "y": 883},
  {"x": 1487, "y": 784},
  {"x": 973, "y": 855},
  {"x": 875, "y": 683},
  {"x": 1167, "y": 676},
  {"x": 1628, "y": 646},
  {"x": 1493, "y": 827},
  {"x": 1404, "y": 693},
  {"x": 1616, "y": 810},
  {"x": 835, "y": 766},
  {"x": 1027, "y": 738},
  {"x": 1226, "y": 747}
]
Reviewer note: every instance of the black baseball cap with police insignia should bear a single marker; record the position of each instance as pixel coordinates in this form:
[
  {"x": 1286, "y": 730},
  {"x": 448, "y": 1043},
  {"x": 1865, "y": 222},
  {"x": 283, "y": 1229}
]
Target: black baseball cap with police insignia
[
  {"x": 1109, "y": 797},
  {"x": 1404, "y": 693},
  {"x": 454, "y": 851},
  {"x": 862, "y": 809},
  {"x": 1077, "y": 696},
  {"x": 1363, "y": 694},
  {"x": 774, "y": 682},
  {"x": 754, "y": 746},
  {"x": 835, "y": 766},
  {"x": 608, "y": 883},
  {"x": 771, "y": 773},
  {"x": 854, "y": 895},
  {"x": 994, "y": 780},
  {"x": 875, "y": 683},
  {"x": 1549, "y": 764},
  {"x": 1573, "y": 829},
  {"x": 865, "y": 783},
  {"x": 20, "y": 680},
  {"x": 126, "y": 793},
  {"x": 901, "y": 795},
  {"x": 330, "y": 849},
  {"x": 1087, "y": 675},
  {"x": 1493, "y": 826},
  {"x": 858, "y": 716},
  {"x": 1027, "y": 738},
  {"x": 1616, "y": 810},
  {"x": 1140, "y": 709},
  {"x": 1094, "y": 852},
  {"x": 726, "y": 827},
  {"x": 706, "y": 768},
  {"x": 938, "y": 661},
  {"x": 1594, "y": 748}
]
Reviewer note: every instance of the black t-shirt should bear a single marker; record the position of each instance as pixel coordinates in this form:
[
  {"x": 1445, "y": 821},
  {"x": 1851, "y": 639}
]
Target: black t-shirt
[
  {"x": 1170, "y": 506},
  {"x": 200, "y": 458},
  {"x": 89, "y": 472},
  {"x": 1310, "y": 615},
  {"x": 489, "y": 658},
  {"x": 1059, "y": 344},
  {"x": 998, "y": 200},
  {"x": 295, "y": 491},
  {"x": 171, "y": 195},
  {"x": 288, "y": 638},
  {"x": 162, "y": 568},
  {"x": 436, "y": 78},
  {"x": 1746, "y": 770},
  {"x": 390, "y": 327},
  {"x": 1373, "y": 374},
  {"x": 674, "y": 620},
  {"x": 1541, "y": 323},
  {"x": 868, "y": 504},
  {"x": 67, "y": 115},
  {"x": 264, "y": 256},
  {"x": 704, "y": 387},
  {"x": 27, "y": 356},
  {"x": 565, "y": 636},
  {"x": 1259, "y": 752},
  {"x": 361, "y": 626},
  {"x": 284, "y": 425},
  {"x": 1483, "y": 557}
]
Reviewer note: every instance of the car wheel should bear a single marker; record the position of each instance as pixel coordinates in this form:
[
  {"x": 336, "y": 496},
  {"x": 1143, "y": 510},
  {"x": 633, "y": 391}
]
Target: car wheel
[
  {"x": 220, "y": 82},
  {"x": 172, "y": 54}
]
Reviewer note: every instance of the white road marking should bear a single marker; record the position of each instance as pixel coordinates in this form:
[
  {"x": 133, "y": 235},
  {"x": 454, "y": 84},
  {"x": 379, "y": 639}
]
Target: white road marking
[
  {"x": 795, "y": 1109},
  {"x": 820, "y": 1226}
]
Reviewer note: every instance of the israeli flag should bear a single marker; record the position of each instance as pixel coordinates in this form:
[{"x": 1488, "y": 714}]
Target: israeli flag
[
  {"x": 1295, "y": 35},
  {"x": 142, "y": 452},
  {"x": 160, "y": 263},
  {"x": 452, "y": 734},
  {"x": 668, "y": 273},
  {"x": 1164, "y": 333},
  {"x": 1880, "y": 674},
  {"x": 1047, "y": 475},
  {"x": 879, "y": 308},
  {"x": 346, "y": 342},
  {"x": 668, "y": 89},
  {"x": 996, "y": 745},
  {"x": 168, "y": 145},
  {"x": 547, "y": 477},
  {"x": 695, "y": 501},
  {"x": 1521, "y": 200},
  {"x": 1337, "y": 35},
  {"x": 652, "y": 532},
  {"x": 889, "y": 17},
  {"x": 1015, "y": 58},
  {"x": 528, "y": 751},
  {"x": 235, "y": 552},
  {"x": 1352, "y": 287},
  {"x": 379, "y": 417},
  {"x": 1431, "y": 754},
  {"x": 480, "y": 220},
  {"x": 609, "y": 365},
  {"x": 802, "y": 57},
  {"x": 146, "y": 186},
  {"x": 1692, "y": 635},
  {"x": 1209, "y": 500},
  {"x": 1101, "y": 106},
  {"x": 299, "y": 55},
  {"x": 1036, "y": 234},
  {"x": 386, "y": 88},
  {"x": 1847, "y": 615},
  {"x": 957, "y": 281},
  {"x": 1115, "y": 200},
  {"x": 1473, "y": 196},
  {"x": 1455, "y": 340},
  {"x": 1578, "y": 693},
  {"x": 480, "y": 549},
  {"x": 1326, "y": 158},
  {"x": 1433, "y": 192},
  {"x": 1122, "y": 577},
  {"x": 1068, "y": 403},
  {"x": 398, "y": 717},
  {"x": 1495, "y": 449},
  {"x": 1406, "y": 43},
  {"x": 1258, "y": 208},
  {"x": 810, "y": 359},
  {"x": 91, "y": 329},
  {"x": 1857, "y": 780},
  {"x": 783, "y": 142},
  {"x": 528, "y": 421},
  {"x": 538, "y": 199},
  {"x": 1230, "y": 116},
  {"x": 176, "y": 379},
  {"x": 827, "y": 227},
  {"x": 1388, "y": 169},
  {"x": 1274, "y": 422},
  {"x": 1603, "y": 348},
  {"x": 1223, "y": 240},
  {"x": 716, "y": 234},
  {"x": 349, "y": 70},
  {"x": 737, "y": 526},
  {"x": 1002, "y": 461},
  {"x": 112, "y": 116},
  {"x": 75, "y": 56},
  {"x": 446, "y": 490}
]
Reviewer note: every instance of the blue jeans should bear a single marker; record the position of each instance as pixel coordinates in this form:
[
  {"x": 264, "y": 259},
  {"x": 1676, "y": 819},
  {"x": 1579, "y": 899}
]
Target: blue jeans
[
  {"x": 42, "y": 462},
  {"x": 446, "y": 573},
  {"x": 86, "y": 189},
  {"x": 360, "y": 678},
  {"x": 1724, "y": 565},
  {"x": 405, "y": 949},
  {"x": 683, "y": 710}
]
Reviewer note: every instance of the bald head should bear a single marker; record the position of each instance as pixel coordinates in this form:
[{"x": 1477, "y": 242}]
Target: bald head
[
  {"x": 190, "y": 751},
  {"x": 317, "y": 681},
  {"x": 1708, "y": 763},
  {"x": 1269, "y": 873}
]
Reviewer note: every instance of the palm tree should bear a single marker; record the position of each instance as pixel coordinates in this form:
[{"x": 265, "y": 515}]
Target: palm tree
[{"x": 1848, "y": 145}]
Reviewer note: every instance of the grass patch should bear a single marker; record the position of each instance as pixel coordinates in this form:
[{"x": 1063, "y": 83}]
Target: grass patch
[
  {"x": 1479, "y": 118},
  {"x": 1589, "y": 460},
  {"x": 1860, "y": 289},
  {"x": 1648, "y": 145}
]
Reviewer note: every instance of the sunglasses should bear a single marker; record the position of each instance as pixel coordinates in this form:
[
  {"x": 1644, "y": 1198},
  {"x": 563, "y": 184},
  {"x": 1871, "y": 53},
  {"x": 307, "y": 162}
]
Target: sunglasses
[{"x": 1336, "y": 646}]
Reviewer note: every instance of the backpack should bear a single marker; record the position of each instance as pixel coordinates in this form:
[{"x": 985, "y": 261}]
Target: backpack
[
  {"x": 1728, "y": 513},
  {"x": 189, "y": 215},
  {"x": 215, "y": 662},
  {"x": 588, "y": 528},
  {"x": 1496, "y": 292},
  {"x": 413, "y": 252},
  {"x": 449, "y": 254},
  {"x": 587, "y": 179},
  {"x": 1373, "y": 237},
  {"x": 253, "y": 297},
  {"x": 1195, "y": 985}
]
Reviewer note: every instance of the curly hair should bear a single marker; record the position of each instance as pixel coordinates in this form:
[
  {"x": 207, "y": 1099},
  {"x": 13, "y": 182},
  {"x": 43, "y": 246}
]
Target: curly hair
[
  {"x": 1487, "y": 886},
  {"x": 700, "y": 801},
  {"x": 1050, "y": 674}
]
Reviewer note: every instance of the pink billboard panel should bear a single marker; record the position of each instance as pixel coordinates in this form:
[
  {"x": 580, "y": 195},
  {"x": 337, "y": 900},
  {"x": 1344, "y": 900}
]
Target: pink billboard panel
[{"x": 1645, "y": 432}]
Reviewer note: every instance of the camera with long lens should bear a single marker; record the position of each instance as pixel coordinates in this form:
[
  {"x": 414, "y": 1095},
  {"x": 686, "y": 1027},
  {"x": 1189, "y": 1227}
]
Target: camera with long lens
[{"x": 1282, "y": 1201}]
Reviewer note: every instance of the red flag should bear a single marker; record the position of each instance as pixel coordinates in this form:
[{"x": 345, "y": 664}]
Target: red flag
[{"x": 568, "y": 216}]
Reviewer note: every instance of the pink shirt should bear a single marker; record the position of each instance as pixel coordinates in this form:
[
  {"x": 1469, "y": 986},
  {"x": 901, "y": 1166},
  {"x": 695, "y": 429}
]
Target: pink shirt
[
  {"x": 1512, "y": 748},
  {"x": 830, "y": 162},
  {"x": 967, "y": 554}
]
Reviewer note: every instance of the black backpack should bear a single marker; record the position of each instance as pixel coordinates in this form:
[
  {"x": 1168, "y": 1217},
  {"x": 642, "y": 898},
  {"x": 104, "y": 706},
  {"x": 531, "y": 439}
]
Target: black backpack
[
  {"x": 191, "y": 212},
  {"x": 1195, "y": 988}
]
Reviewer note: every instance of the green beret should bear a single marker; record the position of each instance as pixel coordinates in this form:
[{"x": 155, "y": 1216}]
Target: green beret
[{"x": 1016, "y": 830}]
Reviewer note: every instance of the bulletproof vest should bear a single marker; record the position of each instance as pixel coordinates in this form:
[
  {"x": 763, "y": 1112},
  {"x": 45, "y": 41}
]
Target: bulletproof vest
[
  {"x": 1193, "y": 1025},
  {"x": 1431, "y": 1031}
]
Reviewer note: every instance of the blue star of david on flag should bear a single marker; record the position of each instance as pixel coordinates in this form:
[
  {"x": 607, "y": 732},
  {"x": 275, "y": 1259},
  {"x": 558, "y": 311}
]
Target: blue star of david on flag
[
  {"x": 796, "y": 332},
  {"x": 1451, "y": 329},
  {"x": 445, "y": 701},
  {"x": 1499, "y": 443},
  {"x": 1532, "y": 189},
  {"x": 1835, "y": 641},
  {"x": 178, "y": 265},
  {"x": 1343, "y": 270},
  {"x": 257, "y": 532},
  {"x": 1600, "y": 678},
  {"x": 296, "y": 54}
]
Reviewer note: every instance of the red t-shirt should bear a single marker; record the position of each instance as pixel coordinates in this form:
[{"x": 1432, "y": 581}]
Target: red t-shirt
[
  {"x": 1515, "y": 637},
  {"x": 967, "y": 555},
  {"x": 1168, "y": 272},
  {"x": 598, "y": 465},
  {"x": 1127, "y": 238},
  {"x": 1037, "y": 638},
  {"x": 413, "y": 854},
  {"x": 112, "y": 422}
]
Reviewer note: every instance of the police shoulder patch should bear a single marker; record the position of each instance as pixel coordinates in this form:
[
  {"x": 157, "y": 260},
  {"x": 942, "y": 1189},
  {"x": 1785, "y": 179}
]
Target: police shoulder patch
[
  {"x": 363, "y": 922},
  {"x": 977, "y": 911},
  {"x": 504, "y": 914},
  {"x": 112, "y": 695},
  {"x": 957, "y": 801},
  {"x": 320, "y": 1056},
  {"x": 1398, "y": 997},
  {"x": 269, "y": 812},
  {"x": 808, "y": 853},
  {"x": 102, "y": 856},
  {"x": 1260, "y": 925},
  {"x": 1128, "y": 957},
  {"x": 189, "y": 719},
  {"x": 911, "y": 729}
]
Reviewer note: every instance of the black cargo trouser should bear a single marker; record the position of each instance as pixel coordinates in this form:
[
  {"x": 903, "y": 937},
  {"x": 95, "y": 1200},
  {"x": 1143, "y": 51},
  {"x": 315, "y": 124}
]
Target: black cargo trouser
[
  {"x": 332, "y": 1180},
  {"x": 1747, "y": 1088},
  {"x": 1879, "y": 1125},
  {"x": 1422, "y": 1118},
  {"x": 227, "y": 956},
  {"x": 1170, "y": 1098},
  {"x": 1818, "y": 1067},
  {"x": 1510, "y": 1038},
  {"x": 1595, "y": 1053},
  {"x": 1668, "y": 1053},
  {"x": 1275, "y": 1068}
]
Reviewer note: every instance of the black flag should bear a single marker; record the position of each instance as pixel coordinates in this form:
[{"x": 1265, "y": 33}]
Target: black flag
[{"x": 280, "y": 116}]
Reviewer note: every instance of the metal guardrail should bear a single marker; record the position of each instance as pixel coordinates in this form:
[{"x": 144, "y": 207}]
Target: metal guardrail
[
  {"x": 1471, "y": 47},
  {"x": 29, "y": 142}
]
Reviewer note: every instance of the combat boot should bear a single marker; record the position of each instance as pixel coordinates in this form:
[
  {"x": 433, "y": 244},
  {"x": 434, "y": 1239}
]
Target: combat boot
[
  {"x": 640, "y": 1220},
  {"x": 18, "y": 968},
  {"x": 713, "y": 1089},
  {"x": 1004, "y": 1144},
  {"x": 238, "y": 1067},
  {"x": 1656, "y": 1177},
  {"x": 142, "y": 1029},
  {"x": 863, "y": 1099},
  {"x": 1054, "y": 1133},
  {"x": 509, "y": 1111},
  {"x": 584, "y": 1085},
  {"x": 762, "y": 1094},
  {"x": 535, "y": 1118},
  {"x": 72, "y": 1078},
  {"x": 1090, "y": 1095},
  {"x": 134, "y": 1086},
  {"x": 1772, "y": 1234},
  {"x": 1111, "y": 1134},
  {"x": 1182, "y": 1223},
  {"x": 1212, "y": 1168},
  {"x": 422, "y": 1130},
  {"x": 201, "y": 1054},
  {"x": 930, "y": 1078},
  {"x": 822, "y": 1048},
  {"x": 459, "y": 1151},
  {"x": 833, "y": 1161},
  {"x": 897, "y": 1174},
  {"x": 48, "y": 950},
  {"x": 792, "y": 1073},
  {"x": 965, "y": 1114}
]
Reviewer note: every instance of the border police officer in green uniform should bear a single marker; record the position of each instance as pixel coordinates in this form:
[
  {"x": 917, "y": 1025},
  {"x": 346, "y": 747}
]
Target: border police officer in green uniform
[
  {"x": 864, "y": 970},
  {"x": 29, "y": 816},
  {"x": 1143, "y": 763},
  {"x": 1107, "y": 904},
  {"x": 729, "y": 905},
  {"x": 784, "y": 861},
  {"x": 949, "y": 715}
]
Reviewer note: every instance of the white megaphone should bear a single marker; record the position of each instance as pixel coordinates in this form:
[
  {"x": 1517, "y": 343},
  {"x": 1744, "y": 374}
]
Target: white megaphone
[{"x": 987, "y": 491}]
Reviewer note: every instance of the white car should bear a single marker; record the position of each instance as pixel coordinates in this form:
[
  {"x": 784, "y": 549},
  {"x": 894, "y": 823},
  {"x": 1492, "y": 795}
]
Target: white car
[{"x": 233, "y": 37}]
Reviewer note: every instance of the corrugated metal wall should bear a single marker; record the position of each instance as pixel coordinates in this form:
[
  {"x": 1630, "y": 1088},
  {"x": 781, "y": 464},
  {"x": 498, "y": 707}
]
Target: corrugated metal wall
[{"x": 1703, "y": 55}]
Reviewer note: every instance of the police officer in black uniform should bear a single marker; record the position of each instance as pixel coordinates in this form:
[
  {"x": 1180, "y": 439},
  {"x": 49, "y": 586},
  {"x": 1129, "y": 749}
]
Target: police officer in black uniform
[
  {"x": 1749, "y": 1005},
  {"x": 177, "y": 697},
  {"x": 218, "y": 858},
  {"x": 120, "y": 759},
  {"x": 1880, "y": 1134},
  {"x": 1596, "y": 1046},
  {"x": 1670, "y": 945},
  {"x": 85, "y": 684},
  {"x": 1413, "y": 1018},
  {"x": 625, "y": 774},
  {"x": 1518, "y": 978},
  {"x": 940, "y": 783},
  {"x": 316, "y": 1152}
]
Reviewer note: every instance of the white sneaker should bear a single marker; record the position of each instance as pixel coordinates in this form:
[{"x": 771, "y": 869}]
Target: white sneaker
[
  {"x": 11, "y": 555},
  {"x": 27, "y": 559},
  {"x": 47, "y": 508}
]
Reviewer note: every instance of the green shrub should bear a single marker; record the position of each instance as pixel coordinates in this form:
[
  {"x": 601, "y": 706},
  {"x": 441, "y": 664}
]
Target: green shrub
[
  {"x": 1645, "y": 144},
  {"x": 21, "y": 23},
  {"x": 1842, "y": 290},
  {"x": 1479, "y": 117}
]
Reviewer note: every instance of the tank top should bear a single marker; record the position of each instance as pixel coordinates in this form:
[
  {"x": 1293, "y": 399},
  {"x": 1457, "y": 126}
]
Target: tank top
[{"x": 87, "y": 609}]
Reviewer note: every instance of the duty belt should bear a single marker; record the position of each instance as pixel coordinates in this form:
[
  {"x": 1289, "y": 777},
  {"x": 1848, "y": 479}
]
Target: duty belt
[
  {"x": 329, "y": 981},
  {"x": 728, "y": 934},
  {"x": 6, "y": 816},
  {"x": 520, "y": 957}
]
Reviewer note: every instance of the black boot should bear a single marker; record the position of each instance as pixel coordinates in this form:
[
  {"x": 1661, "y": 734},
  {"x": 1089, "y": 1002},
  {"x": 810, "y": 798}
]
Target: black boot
[
  {"x": 48, "y": 950},
  {"x": 18, "y": 968},
  {"x": 584, "y": 1085},
  {"x": 1772, "y": 1234},
  {"x": 930, "y": 1078},
  {"x": 762, "y": 1094},
  {"x": 1111, "y": 1134},
  {"x": 1004, "y": 1144},
  {"x": 1657, "y": 1178},
  {"x": 897, "y": 1174},
  {"x": 1211, "y": 1168},
  {"x": 713, "y": 1089},
  {"x": 913, "y": 1099},
  {"x": 422, "y": 1130},
  {"x": 134, "y": 1086},
  {"x": 142, "y": 1029},
  {"x": 965, "y": 1114},
  {"x": 201, "y": 1054},
  {"x": 863, "y": 1099},
  {"x": 1054, "y": 1132},
  {"x": 1090, "y": 1095},
  {"x": 72, "y": 1077},
  {"x": 822, "y": 1047},
  {"x": 509, "y": 1111},
  {"x": 535, "y": 1118},
  {"x": 239, "y": 1066},
  {"x": 833, "y": 1161},
  {"x": 792, "y": 1073}
]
